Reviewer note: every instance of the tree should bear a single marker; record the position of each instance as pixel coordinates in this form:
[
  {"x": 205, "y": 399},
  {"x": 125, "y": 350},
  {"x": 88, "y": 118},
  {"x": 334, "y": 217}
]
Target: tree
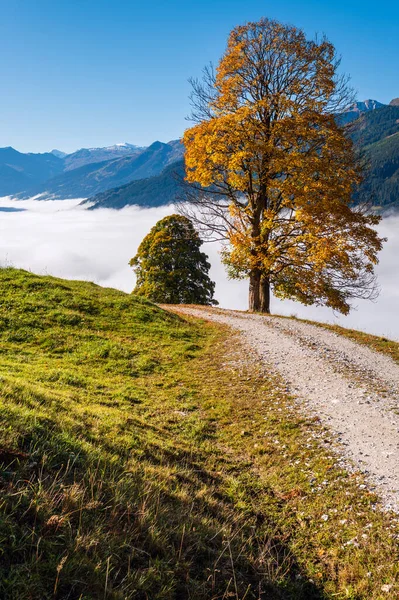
[
  {"x": 272, "y": 171},
  {"x": 170, "y": 267}
]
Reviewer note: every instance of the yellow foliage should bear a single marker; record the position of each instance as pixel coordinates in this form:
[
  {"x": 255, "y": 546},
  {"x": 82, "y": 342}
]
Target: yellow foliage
[{"x": 272, "y": 146}]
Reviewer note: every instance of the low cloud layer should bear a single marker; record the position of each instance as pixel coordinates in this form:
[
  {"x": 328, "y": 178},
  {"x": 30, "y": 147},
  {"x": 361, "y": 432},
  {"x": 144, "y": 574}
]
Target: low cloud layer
[{"x": 60, "y": 238}]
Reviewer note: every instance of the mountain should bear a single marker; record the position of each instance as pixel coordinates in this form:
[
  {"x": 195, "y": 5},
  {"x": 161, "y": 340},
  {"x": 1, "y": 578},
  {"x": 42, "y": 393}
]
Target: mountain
[
  {"x": 124, "y": 174},
  {"x": 376, "y": 133},
  {"x": 27, "y": 173},
  {"x": 151, "y": 192},
  {"x": 354, "y": 111},
  {"x": 58, "y": 153},
  {"x": 373, "y": 126},
  {"x": 86, "y": 156},
  {"x": 19, "y": 171},
  {"x": 94, "y": 178}
]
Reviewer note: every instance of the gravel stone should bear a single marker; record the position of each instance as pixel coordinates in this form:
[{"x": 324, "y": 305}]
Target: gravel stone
[{"x": 352, "y": 389}]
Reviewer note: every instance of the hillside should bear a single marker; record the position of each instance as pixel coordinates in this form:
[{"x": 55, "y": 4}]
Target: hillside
[
  {"x": 151, "y": 192},
  {"x": 354, "y": 111},
  {"x": 95, "y": 178},
  {"x": 373, "y": 126},
  {"x": 377, "y": 134},
  {"x": 140, "y": 457},
  {"x": 86, "y": 156},
  {"x": 29, "y": 172},
  {"x": 19, "y": 171}
]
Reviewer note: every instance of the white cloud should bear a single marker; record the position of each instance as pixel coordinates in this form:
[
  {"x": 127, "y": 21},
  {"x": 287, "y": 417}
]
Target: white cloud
[{"x": 63, "y": 239}]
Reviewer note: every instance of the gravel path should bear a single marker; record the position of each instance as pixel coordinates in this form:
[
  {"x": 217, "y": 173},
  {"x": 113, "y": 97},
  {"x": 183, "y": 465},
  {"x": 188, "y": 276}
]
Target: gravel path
[{"x": 352, "y": 389}]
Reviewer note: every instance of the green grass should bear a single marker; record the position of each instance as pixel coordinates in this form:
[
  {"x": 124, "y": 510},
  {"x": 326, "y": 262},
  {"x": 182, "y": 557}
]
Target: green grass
[{"x": 140, "y": 459}]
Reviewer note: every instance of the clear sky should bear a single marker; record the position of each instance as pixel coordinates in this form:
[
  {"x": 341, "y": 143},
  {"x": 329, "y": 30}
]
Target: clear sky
[{"x": 82, "y": 73}]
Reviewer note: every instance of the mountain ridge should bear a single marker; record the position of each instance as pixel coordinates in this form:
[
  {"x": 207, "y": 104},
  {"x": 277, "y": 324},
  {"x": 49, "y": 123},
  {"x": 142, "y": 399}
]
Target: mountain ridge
[
  {"x": 356, "y": 109},
  {"x": 374, "y": 131},
  {"x": 18, "y": 169},
  {"x": 85, "y": 156},
  {"x": 27, "y": 174},
  {"x": 377, "y": 135},
  {"x": 93, "y": 178},
  {"x": 150, "y": 192},
  {"x": 103, "y": 175}
]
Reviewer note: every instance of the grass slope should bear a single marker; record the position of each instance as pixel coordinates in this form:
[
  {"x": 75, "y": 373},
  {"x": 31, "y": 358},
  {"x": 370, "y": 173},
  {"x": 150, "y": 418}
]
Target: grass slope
[{"x": 140, "y": 458}]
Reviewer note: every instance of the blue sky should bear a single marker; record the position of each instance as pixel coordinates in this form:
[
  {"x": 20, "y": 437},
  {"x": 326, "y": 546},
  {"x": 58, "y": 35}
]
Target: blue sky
[{"x": 80, "y": 73}]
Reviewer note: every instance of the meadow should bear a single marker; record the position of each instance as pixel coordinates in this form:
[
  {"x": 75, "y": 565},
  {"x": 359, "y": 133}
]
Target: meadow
[{"x": 142, "y": 457}]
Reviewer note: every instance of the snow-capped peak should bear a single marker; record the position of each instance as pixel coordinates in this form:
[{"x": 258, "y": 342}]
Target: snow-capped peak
[
  {"x": 354, "y": 111},
  {"x": 123, "y": 145},
  {"x": 364, "y": 106},
  {"x": 120, "y": 146}
]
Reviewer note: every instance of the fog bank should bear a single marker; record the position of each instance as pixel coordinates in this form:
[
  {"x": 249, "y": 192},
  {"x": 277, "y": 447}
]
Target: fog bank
[{"x": 60, "y": 238}]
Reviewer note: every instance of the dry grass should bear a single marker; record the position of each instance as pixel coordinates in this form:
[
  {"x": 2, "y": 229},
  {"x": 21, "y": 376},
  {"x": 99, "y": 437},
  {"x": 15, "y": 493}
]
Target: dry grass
[
  {"x": 333, "y": 532},
  {"x": 375, "y": 342}
]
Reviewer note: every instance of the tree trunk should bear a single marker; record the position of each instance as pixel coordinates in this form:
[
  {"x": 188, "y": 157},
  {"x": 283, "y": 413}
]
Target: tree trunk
[
  {"x": 254, "y": 291},
  {"x": 264, "y": 295}
]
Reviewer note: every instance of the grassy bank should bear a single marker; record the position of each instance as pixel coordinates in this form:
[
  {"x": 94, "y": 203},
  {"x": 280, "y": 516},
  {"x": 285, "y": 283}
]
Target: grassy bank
[
  {"x": 141, "y": 458},
  {"x": 375, "y": 342}
]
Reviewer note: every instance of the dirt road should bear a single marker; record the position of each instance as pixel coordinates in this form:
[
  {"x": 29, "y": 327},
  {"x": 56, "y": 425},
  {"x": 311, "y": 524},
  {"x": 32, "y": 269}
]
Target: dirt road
[{"x": 352, "y": 389}]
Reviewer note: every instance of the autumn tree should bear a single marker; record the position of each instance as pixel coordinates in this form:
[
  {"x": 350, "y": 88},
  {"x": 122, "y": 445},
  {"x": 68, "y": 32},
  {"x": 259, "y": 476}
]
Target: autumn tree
[
  {"x": 170, "y": 267},
  {"x": 272, "y": 171}
]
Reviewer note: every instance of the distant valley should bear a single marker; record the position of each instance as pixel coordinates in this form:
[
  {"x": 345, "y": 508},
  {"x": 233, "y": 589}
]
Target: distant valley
[{"x": 125, "y": 174}]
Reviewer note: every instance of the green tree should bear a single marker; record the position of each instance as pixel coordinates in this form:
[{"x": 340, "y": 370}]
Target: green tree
[{"x": 170, "y": 267}]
